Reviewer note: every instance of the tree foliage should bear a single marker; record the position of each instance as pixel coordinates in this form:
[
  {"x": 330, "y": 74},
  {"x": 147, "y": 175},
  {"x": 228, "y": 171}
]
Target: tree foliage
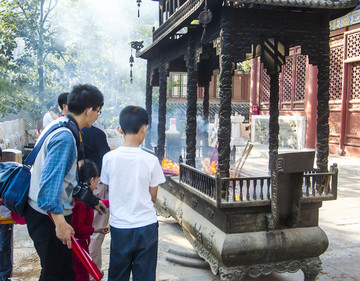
[
  {"x": 47, "y": 46},
  {"x": 27, "y": 27}
]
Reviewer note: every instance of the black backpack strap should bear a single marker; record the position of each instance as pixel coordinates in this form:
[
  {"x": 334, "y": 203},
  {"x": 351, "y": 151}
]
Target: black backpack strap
[{"x": 74, "y": 128}]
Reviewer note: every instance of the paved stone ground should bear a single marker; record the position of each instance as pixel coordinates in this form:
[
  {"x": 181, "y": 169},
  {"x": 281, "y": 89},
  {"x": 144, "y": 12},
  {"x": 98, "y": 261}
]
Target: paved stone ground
[{"x": 340, "y": 220}]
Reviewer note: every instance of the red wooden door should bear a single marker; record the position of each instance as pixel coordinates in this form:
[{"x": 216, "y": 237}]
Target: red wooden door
[{"x": 352, "y": 94}]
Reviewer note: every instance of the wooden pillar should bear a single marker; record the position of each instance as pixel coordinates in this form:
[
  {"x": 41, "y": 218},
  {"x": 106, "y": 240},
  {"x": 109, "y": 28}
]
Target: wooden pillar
[
  {"x": 310, "y": 106},
  {"x": 160, "y": 15},
  {"x": 344, "y": 101},
  {"x": 254, "y": 90},
  {"x": 171, "y": 7},
  {"x": 205, "y": 116},
  {"x": 254, "y": 93},
  {"x": 148, "y": 103},
  {"x": 226, "y": 59},
  {"x": 205, "y": 71},
  {"x": 191, "y": 103},
  {"x": 323, "y": 98},
  {"x": 163, "y": 72},
  {"x": 274, "y": 118}
]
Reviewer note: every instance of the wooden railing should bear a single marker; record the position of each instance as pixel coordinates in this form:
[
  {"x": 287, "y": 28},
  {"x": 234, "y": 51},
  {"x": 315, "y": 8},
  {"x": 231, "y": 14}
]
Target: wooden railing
[
  {"x": 177, "y": 19},
  {"x": 255, "y": 191}
]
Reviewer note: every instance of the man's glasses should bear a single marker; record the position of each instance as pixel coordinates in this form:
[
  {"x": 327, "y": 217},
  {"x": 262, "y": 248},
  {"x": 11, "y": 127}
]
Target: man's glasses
[{"x": 98, "y": 111}]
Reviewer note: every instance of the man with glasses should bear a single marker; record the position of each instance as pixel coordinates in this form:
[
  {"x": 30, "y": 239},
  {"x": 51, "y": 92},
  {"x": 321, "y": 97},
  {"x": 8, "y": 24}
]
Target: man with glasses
[{"x": 53, "y": 177}]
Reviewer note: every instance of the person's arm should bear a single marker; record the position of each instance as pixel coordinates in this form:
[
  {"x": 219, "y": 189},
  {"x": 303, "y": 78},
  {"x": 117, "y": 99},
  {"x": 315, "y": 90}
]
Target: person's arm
[
  {"x": 58, "y": 162},
  {"x": 153, "y": 192},
  {"x": 60, "y": 158},
  {"x": 79, "y": 216},
  {"x": 157, "y": 177},
  {"x": 63, "y": 230},
  {"x": 106, "y": 202}
]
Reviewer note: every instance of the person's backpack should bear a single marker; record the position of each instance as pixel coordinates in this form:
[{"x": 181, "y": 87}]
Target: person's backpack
[{"x": 15, "y": 178}]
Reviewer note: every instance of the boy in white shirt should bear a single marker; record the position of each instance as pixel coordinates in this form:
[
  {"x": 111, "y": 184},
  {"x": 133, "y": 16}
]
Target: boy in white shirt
[{"x": 133, "y": 176}]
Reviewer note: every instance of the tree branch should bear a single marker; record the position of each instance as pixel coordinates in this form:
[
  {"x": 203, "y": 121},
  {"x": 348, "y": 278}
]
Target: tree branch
[{"x": 50, "y": 9}]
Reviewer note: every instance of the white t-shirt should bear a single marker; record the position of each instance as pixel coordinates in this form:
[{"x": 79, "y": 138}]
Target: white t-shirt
[{"x": 129, "y": 172}]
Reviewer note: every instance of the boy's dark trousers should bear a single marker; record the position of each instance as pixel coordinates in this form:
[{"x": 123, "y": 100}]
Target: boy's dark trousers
[
  {"x": 6, "y": 250},
  {"x": 55, "y": 257},
  {"x": 133, "y": 250}
]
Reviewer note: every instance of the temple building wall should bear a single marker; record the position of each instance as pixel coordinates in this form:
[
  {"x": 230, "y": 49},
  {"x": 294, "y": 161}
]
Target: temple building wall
[{"x": 298, "y": 92}]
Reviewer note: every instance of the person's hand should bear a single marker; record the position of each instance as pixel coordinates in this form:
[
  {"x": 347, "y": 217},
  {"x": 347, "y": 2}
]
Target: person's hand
[
  {"x": 102, "y": 230},
  {"x": 63, "y": 230},
  {"x": 101, "y": 208}
]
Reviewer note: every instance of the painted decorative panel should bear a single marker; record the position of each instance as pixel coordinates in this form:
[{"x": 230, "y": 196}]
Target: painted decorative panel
[
  {"x": 335, "y": 122},
  {"x": 292, "y": 130},
  {"x": 354, "y": 121}
]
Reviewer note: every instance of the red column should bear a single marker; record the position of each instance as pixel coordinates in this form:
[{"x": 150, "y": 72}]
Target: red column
[
  {"x": 253, "y": 87},
  {"x": 254, "y": 84},
  {"x": 344, "y": 101},
  {"x": 310, "y": 106}
]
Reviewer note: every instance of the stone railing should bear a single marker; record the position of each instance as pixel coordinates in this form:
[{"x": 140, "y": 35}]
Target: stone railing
[
  {"x": 320, "y": 186},
  {"x": 13, "y": 134}
]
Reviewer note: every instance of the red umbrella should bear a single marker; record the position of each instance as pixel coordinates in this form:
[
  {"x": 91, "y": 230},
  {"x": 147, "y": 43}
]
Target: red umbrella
[{"x": 84, "y": 257}]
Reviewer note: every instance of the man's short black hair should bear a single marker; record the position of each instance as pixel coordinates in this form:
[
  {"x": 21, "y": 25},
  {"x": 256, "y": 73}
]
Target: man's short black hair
[
  {"x": 84, "y": 96},
  {"x": 62, "y": 99},
  {"x": 132, "y": 118}
]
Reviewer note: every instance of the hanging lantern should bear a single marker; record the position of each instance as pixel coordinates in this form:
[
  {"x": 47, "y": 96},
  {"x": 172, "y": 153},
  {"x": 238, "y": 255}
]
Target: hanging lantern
[
  {"x": 131, "y": 61},
  {"x": 137, "y": 46},
  {"x": 138, "y": 4},
  {"x": 205, "y": 18}
]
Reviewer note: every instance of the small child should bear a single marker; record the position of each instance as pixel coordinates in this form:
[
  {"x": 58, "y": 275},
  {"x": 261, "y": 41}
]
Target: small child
[
  {"x": 133, "y": 176},
  {"x": 83, "y": 216}
]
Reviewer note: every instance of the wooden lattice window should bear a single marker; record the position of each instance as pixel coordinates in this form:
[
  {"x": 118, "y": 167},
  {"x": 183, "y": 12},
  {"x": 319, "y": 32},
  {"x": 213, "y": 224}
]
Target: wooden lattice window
[
  {"x": 288, "y": 79},
  {"x": 353, "y": 43},
  {"x": 336, "y": 72},
  {"x": 300, "y": 78},
  {"x": 179, "y": 87},
  {"x": 292, "y": 82},
  {"x": 355, "y": 81},
  {"x": 265, "y": 97}
]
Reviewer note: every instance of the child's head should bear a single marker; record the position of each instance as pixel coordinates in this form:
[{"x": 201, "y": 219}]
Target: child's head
[
  {"x": 54, "y": 112},
  {"x": 132, "y": 118},
  {"x": 89, "y": 173}
]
